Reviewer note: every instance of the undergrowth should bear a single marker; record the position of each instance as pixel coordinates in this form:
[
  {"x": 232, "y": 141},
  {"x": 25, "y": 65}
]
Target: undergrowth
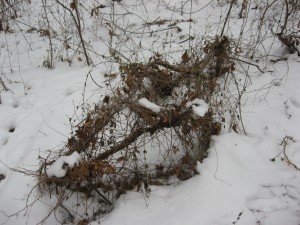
[
  {"x": 120, "y": 138},
  {"x": 121, "y": 144}
]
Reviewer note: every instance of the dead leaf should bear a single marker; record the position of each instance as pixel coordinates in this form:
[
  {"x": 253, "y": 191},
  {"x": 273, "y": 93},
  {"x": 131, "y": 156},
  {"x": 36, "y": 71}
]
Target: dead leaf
[
  {"x": 83, "y": 222},
  {"x": 99, "y": 166},
  {"x": 110, "y": 169},
  {"x": 73, "y": 5},
  {"x": 82, "y": 171},
  {"x": 148, "y": 118},
  {"x": 185, "y": 57},
  {"x": 103, "y": 167},
  {"x": 234, "y": 127}
]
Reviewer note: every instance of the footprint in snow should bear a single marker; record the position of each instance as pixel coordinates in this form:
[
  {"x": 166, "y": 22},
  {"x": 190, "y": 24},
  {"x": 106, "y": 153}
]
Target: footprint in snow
[
  {"x": 3, "y": 140},
  {"x": 2, "y": 177},
  {"x": 275, "y": 198},
  {"x": 295, "y": 102}
]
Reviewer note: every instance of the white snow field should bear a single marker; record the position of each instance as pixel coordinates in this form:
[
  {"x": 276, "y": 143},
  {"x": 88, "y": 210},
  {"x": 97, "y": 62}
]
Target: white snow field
[{"x": 250, "y": 178}]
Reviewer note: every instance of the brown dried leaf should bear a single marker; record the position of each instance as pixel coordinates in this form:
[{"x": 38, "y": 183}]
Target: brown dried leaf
[
  {"x": 73, "y": 5},
  {"x": 216, "y": 128},
  {"x": 185, "y": 57},
  {"x": 103, "y": 167},
  {"x": 148, "y": 118},
  {"x": 234, "y": 127},
  {"x": 83, "y": 222},
  {"x": 110, "y": 169},
  {"x": 99, "y": 166},
  {"x": 82, "y": 171},
  {"x": 129, "y": 81}
]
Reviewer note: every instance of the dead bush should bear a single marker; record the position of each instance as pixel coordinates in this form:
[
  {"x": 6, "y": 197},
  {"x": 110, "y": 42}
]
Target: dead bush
[
  {"x": 291, "y": 42},
  {"x": 10, "y": 10},
  {"x": 290, "y": 33},
  {"x": 157, "y": 124}
]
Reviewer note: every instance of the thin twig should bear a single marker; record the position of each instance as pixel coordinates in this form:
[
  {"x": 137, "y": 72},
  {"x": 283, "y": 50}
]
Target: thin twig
[
  {"x": 227, "y": 17},
  {"x": 249, "y": 63},
  {"x": 78, "y": 26},
  {"x": 285, "y": 143}
]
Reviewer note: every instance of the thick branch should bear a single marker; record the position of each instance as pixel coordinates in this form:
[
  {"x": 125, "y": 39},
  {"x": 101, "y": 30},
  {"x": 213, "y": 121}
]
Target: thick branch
[{"x": 173, "y": 122}]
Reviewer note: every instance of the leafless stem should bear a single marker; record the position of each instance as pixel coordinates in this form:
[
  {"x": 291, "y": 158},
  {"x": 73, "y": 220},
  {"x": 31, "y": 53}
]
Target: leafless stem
[{"x": 78, "y": 26}]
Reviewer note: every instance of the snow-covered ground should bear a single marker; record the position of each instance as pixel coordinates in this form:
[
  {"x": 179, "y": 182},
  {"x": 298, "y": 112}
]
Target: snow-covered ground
[{"x": 245, "y": 179}]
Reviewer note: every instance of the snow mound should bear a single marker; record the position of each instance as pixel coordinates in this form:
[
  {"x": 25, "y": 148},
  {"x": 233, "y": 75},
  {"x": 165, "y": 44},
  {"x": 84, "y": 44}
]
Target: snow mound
[
  {"x": 57, "y": 170},
  {"x": 149, "y": 105},
  {"x": 199, "y": 106}
]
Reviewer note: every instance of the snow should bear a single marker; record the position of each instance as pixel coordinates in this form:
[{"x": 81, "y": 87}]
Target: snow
[
  {"x": 149, "y": 105},
  {"x": 238, "y": 174},
  {"x": 57, "y": 170},
  {"x": 199, "y": 106}
]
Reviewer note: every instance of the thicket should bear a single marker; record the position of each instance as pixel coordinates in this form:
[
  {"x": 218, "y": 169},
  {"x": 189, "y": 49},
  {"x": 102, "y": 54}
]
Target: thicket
[{"x": 117, "y": 137}]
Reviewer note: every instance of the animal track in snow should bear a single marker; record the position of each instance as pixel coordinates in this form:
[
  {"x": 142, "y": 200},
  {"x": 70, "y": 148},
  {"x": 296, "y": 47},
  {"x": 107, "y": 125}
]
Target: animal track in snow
[
  {"x": 15, "y": 105},
  {"x": 295, "y": 102},
  {"x": 11, "y": 129},
  {"x": 69, "y": 92},
  {"x": 275, "y": 198},
  {"x": 2, "y": 177},
  {"x": 3, "y": 140}
]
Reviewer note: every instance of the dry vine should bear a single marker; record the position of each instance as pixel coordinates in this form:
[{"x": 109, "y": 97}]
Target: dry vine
[{"x": 118, "y": 137}]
